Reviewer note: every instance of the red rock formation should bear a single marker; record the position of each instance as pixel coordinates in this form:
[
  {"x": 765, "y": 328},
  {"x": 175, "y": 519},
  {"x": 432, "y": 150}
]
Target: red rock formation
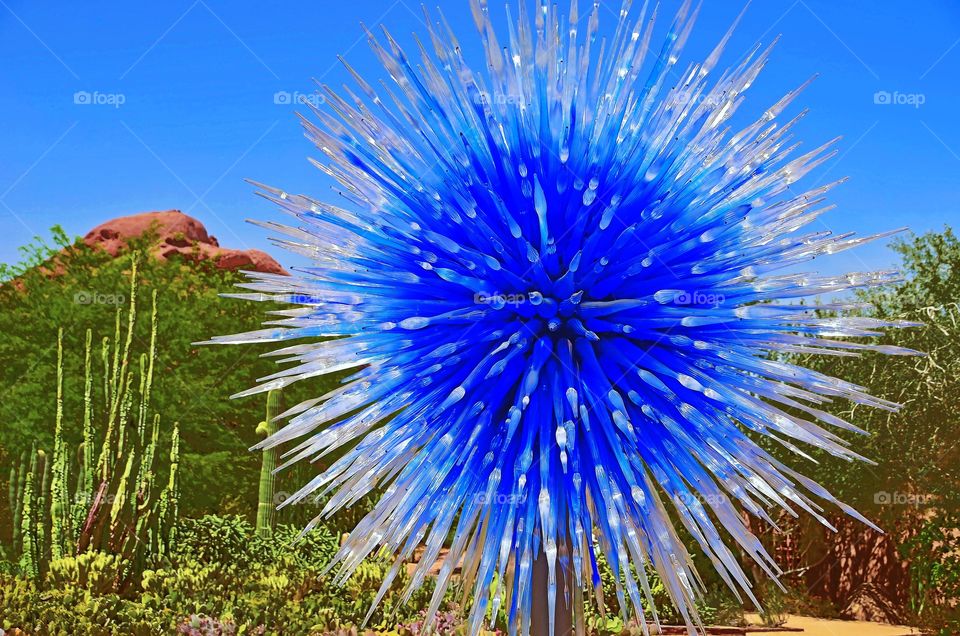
[{"x": 177, "y": 233}]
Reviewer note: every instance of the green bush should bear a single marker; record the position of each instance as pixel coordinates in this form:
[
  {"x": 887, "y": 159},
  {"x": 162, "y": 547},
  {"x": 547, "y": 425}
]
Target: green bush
[
  {"x": 934, "y": 556},
  {"x": 92, "y": 571},
  {"x": 712, "y": 610},
  {"x": 915, "y": 447},
  {"x": 212, "y": 540},
  {"x": 220, "y": 577},
  {"x": 192, "y": 383}
]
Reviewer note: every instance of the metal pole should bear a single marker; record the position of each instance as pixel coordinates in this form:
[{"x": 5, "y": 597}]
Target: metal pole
[{"x": 540, "y": 612}]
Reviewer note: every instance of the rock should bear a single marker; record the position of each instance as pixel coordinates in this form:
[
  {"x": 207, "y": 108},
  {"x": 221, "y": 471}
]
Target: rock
[
  {"x": 869, "y": 604},
  {"x": 177, "y": 234}
]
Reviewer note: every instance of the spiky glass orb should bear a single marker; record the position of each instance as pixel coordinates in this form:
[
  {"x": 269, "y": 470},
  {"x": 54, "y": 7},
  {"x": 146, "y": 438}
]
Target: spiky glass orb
[{"x": 556, "y": 288}]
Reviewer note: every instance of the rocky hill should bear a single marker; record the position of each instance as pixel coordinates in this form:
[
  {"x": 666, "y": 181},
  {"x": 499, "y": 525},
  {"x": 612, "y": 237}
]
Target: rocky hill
[{"x": 177, "y": 234}]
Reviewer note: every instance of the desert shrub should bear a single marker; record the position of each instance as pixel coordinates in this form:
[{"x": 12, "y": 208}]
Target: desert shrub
[
  {"x": 934, "y": 556},
  {"x": 221, "y": 579},
  {"x": 192, "y": 383},
  {"x": 773, "y": 613},
  {"x": 314, "y": 550},
  {"x": 214, "y": 539},
  {"x": 231, "y": 539},
  {"x": 205, "y": 626},
  {"x": 92, "y": 571},
  {"x": 915, "y": 448},
  {"x": 69, "y": 610},
  {"x": 610, "y": 621}
]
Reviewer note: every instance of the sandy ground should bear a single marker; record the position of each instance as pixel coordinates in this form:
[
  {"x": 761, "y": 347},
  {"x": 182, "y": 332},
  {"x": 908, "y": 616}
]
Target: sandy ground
[{"x": 823, "y": 627}]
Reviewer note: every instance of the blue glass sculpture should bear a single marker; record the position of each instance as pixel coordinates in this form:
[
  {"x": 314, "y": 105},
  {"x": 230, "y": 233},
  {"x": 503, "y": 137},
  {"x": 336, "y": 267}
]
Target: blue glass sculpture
[{"x": 557, "y": 288}]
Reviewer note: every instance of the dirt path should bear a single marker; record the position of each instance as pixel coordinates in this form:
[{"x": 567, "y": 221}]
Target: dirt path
[{"x": 824, "y": 627}]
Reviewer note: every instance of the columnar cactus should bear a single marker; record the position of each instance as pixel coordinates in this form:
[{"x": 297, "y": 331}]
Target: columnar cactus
[
  {"x": 84, "y": 491},
  {"x": 267, "y": 505},
  {"x": 168, "y": 506},
  {"x": 28, "y": 530},
  {"x": 113, "y": 504},
  {"x": 41, "y": 510},
  {"x": 18, "y": 477},
  {"x": 59, "y": 494}
]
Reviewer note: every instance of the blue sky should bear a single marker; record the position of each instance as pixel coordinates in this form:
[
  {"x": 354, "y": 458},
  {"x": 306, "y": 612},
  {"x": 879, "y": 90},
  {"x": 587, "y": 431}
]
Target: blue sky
[{"x": 199, "y": 82}]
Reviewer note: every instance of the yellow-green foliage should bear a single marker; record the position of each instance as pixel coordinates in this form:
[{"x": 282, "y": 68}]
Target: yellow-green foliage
[
  {"x": 190, "y": 383},
  {"x": 64, "y": 506},
  {"x": 256, "y": 585},
  {"x": 93, "y": 571}
]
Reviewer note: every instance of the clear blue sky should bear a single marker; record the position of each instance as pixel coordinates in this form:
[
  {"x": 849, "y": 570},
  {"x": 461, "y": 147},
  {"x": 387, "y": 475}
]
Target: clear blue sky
[{"x": 198, "y": 80}]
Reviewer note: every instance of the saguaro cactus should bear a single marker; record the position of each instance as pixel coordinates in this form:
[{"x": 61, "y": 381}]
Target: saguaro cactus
[{"x": 266, "y": 508}]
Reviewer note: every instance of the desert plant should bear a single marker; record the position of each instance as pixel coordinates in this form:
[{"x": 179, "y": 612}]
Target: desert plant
[
  {"x": 127, "y": 513},
  {"x": 934, "y": 557},
  {"x": 215, "y": 539},
  {"x": 215, "y": 431},
  {"x": 267, "y": 504},
  {"x": 28, "y": 552},
  {"x": 113, "y": 505},
  {"x": 18, "y": 477},
  {"x": 94, "y": 571}
]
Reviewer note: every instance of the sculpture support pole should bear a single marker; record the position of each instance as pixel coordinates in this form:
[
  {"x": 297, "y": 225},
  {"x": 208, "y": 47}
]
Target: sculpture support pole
[{"x": 540, "y": 612}]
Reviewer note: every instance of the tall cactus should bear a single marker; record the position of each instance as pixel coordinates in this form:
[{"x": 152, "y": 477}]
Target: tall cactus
[
  {"x": 12, "y": 498},
  {"x": 124, "y": 470},
  {"x": 146, "y": 374},
  {"x": 85, "y": 476},
  {"x": 113, "y": 502},
  {"x": 168, "y": 506},
  {"x": 267, "y": 505},
  {"x": 59, "y": 488},
  {"x": 31, "y": 512},
  {"x": 42, "y": 510},
  {"x": 28, "y": 530},
  {"x": 18, "y": 477}
]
